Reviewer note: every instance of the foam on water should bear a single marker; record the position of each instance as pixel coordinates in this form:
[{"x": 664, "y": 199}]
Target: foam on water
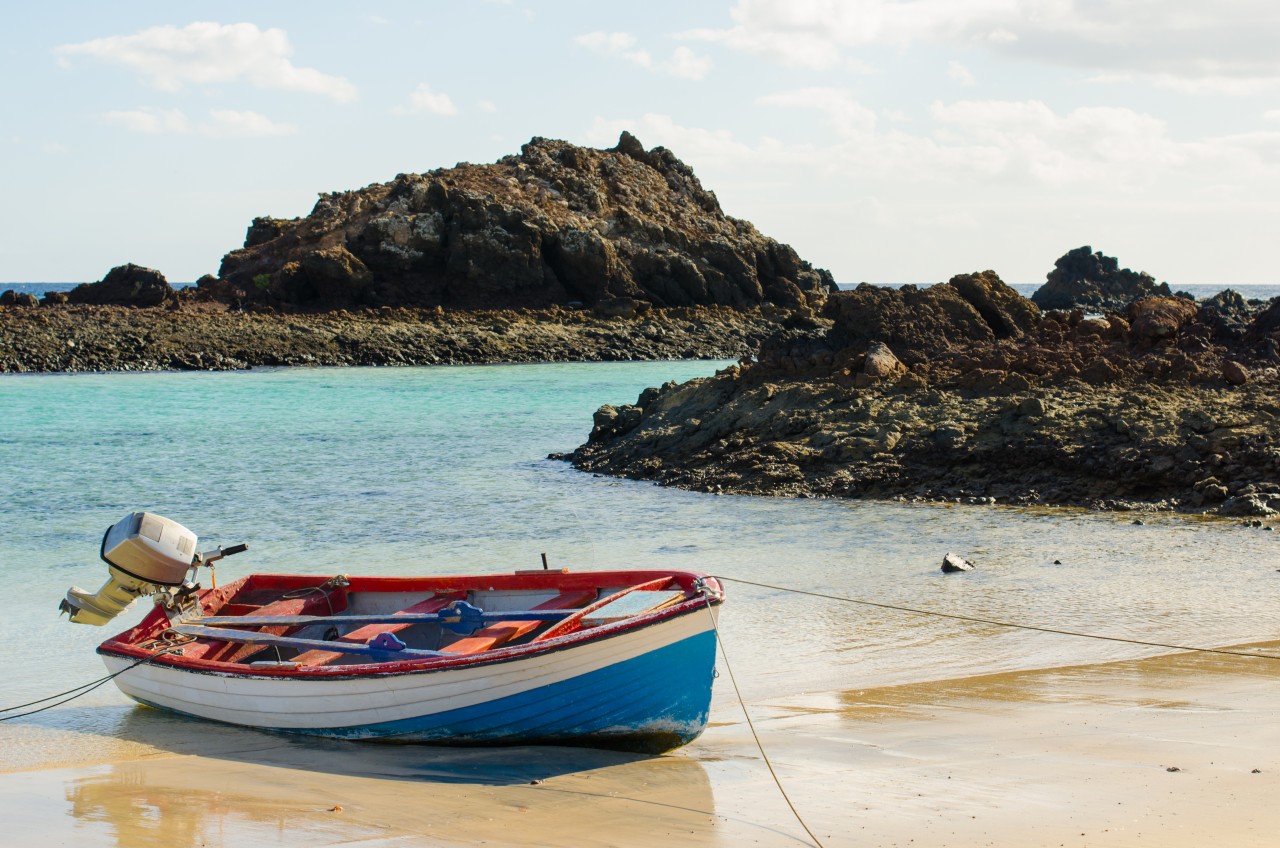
[{"x": 434, "y": 470}]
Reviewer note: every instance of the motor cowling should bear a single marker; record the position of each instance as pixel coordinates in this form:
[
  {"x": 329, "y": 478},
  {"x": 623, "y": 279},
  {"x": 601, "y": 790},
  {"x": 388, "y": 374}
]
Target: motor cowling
[{"x": 145, "y": 554}]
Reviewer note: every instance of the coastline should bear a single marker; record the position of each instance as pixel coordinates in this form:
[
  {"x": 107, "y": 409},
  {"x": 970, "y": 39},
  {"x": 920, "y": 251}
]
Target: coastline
[
  {"x": 113, "y": 338},
  {"x": 1117, "y": 754}
]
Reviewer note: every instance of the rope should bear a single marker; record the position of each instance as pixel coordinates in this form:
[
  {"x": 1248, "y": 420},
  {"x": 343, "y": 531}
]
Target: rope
[
  {"x": 83, "y": 689},
  {"x": 752, "y": 726},
  {"x": 1009, "y": 624}
]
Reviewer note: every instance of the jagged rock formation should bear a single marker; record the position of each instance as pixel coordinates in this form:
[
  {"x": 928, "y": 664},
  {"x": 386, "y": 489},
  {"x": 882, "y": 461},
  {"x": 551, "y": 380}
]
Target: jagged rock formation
[
  {"x": 966, "y": 391},
  {"x": 1082, "y": 279},
  {"x": 556, "y": 224},
  {"x": 124, "y": 285}
]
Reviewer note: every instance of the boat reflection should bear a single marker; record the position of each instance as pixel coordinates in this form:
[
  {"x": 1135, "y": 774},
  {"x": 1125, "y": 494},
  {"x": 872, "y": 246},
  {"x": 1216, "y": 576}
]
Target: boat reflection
[{"x": 217, "y": 785}]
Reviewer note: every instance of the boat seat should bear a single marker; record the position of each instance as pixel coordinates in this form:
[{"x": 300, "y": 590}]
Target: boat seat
[
  {"x": 317, "y": 602},
  {"x": 502, "y": 632},
  {"x": 362, "y": 635}
]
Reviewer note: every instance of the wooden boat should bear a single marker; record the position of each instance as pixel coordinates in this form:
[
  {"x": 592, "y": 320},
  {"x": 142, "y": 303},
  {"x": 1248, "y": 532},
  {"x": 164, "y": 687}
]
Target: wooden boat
[{"x": 617, "y": 659}]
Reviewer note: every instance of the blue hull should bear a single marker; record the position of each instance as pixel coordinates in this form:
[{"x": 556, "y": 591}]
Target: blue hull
[{"x": 651, "y": 703}]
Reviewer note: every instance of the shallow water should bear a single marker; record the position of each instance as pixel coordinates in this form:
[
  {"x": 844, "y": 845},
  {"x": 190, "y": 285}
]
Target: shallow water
[{"x": 443, "y": 469}]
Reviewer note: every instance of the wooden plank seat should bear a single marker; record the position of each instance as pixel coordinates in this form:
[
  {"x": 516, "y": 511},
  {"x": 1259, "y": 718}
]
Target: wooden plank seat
[
  {"x": 362, "y": 635},
  {"x": 504, "y": 631},
  {"x": 315, "y": 602}
]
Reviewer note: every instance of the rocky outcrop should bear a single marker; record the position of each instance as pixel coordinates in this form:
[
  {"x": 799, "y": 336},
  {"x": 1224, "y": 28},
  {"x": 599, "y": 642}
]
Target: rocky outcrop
[
  {"x": 17, "y": 298},
  {"x": 556, "y": 224},
  {"x": 1082, "y": 279},
  {"x": 124, "y": 285},
  {"x": 965, "y": 391}
]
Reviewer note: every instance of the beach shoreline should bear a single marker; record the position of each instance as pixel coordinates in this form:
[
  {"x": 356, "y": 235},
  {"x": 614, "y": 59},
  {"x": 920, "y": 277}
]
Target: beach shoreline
[{"x": 1123, "y": 753}]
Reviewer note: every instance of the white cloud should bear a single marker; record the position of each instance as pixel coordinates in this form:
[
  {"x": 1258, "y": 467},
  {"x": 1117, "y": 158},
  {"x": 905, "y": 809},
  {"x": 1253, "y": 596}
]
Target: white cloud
[
  {"x": 487, "y": 106},
  {"x": 839, "y": 107},
  {"x": 958, "y": 73},
  {"x": 687, "y": 64},
  {"x": 683, "y": 62},
  {"x": 221, "y": 123},
  {"x": 423, "y": 99},
  {"x": 1012, "y": 144},
  {"x": 206, "y": 53},
  {"x": 227, "y": 123},
  {"x": 150, "y": 120},
  {"x": 975, "y": 184},
  {"x": 1226, "y": 47}
]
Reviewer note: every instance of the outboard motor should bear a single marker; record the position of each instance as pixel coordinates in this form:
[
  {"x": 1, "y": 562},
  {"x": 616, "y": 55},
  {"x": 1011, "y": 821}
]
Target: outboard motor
[{"x": 146, "y": 554}]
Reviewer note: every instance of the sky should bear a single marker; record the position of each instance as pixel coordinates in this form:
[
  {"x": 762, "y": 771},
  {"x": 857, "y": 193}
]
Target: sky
[{"x": 890, "y": 141}]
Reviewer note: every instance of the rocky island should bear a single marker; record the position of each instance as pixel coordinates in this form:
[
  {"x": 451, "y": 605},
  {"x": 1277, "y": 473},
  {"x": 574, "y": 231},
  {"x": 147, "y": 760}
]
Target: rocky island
[
  {"x": 967, "y": 391},
  {"x": 561, "y": 252}
]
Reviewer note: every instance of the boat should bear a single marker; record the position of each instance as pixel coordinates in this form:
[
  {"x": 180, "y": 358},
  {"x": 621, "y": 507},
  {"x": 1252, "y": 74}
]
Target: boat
[{"x": 618, "y": 659}]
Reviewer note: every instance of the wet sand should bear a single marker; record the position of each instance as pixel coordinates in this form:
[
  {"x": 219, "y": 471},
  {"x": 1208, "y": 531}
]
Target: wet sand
[{"x": 1149, "y": 752}]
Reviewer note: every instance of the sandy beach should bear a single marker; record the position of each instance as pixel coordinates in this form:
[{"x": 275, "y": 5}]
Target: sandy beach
[{"x": 1175, "y": 751}]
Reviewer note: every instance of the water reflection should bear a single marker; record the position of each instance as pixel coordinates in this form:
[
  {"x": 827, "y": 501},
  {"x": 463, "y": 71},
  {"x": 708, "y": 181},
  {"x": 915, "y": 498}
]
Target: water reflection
[{"x": 213, "y": 785}]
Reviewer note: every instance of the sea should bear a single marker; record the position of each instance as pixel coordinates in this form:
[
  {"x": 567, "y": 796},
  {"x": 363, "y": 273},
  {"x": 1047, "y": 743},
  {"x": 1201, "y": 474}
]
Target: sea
[
  {"x": 444, "y": 469},
  {"x": 1199, "y": 291}
]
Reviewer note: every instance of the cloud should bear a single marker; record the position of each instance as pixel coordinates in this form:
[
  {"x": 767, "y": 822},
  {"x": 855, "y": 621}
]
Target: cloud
[
  {"x": 1188, "y": 45},
  {"x": 970, "y": 143},
  {"x": 958, "y": 73},
  {"x": 205, "y": 53},
  {"x": 487, "y": 106},
  {"x": 423, "y": 99},
  {"x": 221, "y": 123},
  {"x": 839, "y": 107},
  {"x": 228, "y": 123},
  {"x": 150, "y": 120},
  {"x": 683, "y": 61}
]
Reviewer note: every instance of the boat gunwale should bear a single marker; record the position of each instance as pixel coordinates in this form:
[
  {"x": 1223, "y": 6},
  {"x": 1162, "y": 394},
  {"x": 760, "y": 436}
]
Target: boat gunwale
[{"x": 121, "y": 646}]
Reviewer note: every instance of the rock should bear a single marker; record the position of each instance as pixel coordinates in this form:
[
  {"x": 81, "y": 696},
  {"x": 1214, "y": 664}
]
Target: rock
[
  {"x": 621, "y": 307},
  {"x": 1155, "y": 319},
  {"x": 1082, "y": 279},
  {"x": 265, "y": 229},
  {"x": 921, "y": 323},
  {"x": 1234, "y": 373},
  {"x": 553, "y": 225},
  {"x": 1032, "y": 407},
  {"x": 1228, "y": 314},
  {"x": 881, "y": 363},
  {"x": 8, "y": 297},
  {"x": 54, "y": 298},
  {"x": 952, "y": 563},
  {"x": 25, "y": 299},
  {"x": 1246, "y": 505},
  {"x": 332, "y": 276},
  {"x": 124, "y": 285}
]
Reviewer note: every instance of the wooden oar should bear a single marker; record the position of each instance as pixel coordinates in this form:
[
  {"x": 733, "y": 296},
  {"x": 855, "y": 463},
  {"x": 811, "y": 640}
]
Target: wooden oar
[
  {"x": 442, "y": 617},
  {"x": 255, "y": 638}
]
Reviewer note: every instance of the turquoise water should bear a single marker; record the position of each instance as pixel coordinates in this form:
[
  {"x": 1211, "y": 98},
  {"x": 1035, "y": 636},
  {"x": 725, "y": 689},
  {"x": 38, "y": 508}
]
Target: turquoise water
[{"x": 443, "y": 469}]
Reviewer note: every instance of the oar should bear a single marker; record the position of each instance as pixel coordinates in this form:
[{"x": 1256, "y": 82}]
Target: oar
[{"x": 387, "y": 651}]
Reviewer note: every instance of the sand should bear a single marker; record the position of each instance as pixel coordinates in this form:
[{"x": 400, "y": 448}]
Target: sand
[{"x": 1171, "y": 751}]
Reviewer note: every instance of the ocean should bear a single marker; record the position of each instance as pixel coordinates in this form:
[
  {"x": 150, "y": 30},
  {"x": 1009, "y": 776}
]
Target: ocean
[
  {"x": 444, "y": 469},
  {"x": 1201, "y": 291}
]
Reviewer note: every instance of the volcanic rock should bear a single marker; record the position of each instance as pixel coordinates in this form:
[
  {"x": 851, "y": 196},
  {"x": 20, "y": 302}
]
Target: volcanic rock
[
  {"x": 1000, "y": 404},
  {"x": 13, "y": 298},
  {"x": 1082, "y": 279},
  {"x": 556, "y": 224},
  {"x": 124, "y": 285}
]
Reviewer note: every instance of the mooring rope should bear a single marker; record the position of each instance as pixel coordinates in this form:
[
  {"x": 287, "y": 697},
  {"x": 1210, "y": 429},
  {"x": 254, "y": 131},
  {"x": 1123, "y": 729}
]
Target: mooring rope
[
  {"x": 1009, "y": 624},
  {"x": 750, "y": 724},
  {"x": 82, "y": 689}
]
